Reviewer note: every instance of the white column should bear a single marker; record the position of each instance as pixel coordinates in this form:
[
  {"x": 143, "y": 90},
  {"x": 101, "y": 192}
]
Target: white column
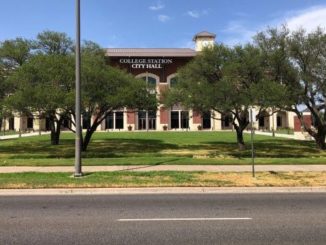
[{"x": 113, "y": 116}]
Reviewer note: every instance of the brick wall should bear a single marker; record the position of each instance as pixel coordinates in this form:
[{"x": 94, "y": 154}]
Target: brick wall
[
  {"x": 164, "y": 116},
  {"x": 130, "y": 117},
  {"x": 197, "y": 119},
  {"x": 297, "y": 124}
]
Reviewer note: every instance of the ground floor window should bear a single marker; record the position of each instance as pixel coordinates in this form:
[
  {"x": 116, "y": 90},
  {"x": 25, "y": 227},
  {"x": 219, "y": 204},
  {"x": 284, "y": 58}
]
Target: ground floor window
[
  {"x": 226, "y": 120},
  {"x": 207, "y": 120},
  {"x": 67, "y": 123},
  {"x": 11, "y": 123},
  {"x": 279, "y": 121},
  {"x": 262, "y": 122},
  {"x": 114, "y": 120},
  {"x": 146, "y": 120},
  {"x": 47, "y": 124},
  {"x": 179, "y": 119},
  {"x": 30, "y": 122},
  {"x": 119, "y": 120},
  {"x": 86, "y": 122}
]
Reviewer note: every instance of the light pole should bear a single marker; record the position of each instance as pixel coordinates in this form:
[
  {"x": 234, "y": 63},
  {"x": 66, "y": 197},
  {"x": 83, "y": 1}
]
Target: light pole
[
  {"x": 78, "y": 166},
  {"x": 252, "y": 143}
]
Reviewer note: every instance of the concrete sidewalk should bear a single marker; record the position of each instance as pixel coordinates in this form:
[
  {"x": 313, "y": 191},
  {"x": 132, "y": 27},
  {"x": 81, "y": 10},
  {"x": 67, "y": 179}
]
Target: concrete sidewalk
[
  {"x": 208, "y": 168},
  {"x": 159, "y": 190}
]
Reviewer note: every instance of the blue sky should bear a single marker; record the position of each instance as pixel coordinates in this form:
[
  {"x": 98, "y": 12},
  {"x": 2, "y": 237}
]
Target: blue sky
[{"x": 163, "y": 23}]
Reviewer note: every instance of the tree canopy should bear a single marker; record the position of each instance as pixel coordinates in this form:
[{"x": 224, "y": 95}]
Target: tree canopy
[
  {"x": 297, "y": 60},
  {"x": 45, "y": 84},
  {"x": 226, "y": 80}
]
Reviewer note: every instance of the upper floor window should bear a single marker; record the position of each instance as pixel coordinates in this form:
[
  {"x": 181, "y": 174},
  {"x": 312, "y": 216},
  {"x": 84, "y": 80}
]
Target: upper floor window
[
  {"x": 151, "y": 82},
  {"x": 172, "y": 80}
]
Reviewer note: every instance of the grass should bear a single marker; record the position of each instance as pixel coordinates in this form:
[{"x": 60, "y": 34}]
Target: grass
[
  {"x": 155, "y": 148},
  {"x": 161, "y": 179}
]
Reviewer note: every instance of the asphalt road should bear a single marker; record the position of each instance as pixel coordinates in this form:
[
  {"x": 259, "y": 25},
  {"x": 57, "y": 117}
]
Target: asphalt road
[{"x": 164, "y": 219}]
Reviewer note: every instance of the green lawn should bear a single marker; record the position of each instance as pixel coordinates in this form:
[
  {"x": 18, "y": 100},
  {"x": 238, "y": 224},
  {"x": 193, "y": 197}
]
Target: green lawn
[{"x": 154, "y": 148}]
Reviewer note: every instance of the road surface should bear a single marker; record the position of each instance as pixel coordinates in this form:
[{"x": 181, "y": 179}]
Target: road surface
[{"x": 164, "y": 219}]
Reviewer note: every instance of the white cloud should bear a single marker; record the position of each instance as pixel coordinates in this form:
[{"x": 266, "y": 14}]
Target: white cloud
[
  {"x": 309, "y": 19},
  {"x": 193, "y": 14},
  {"x": 163, "y": 18},
  {"x": 239, "y": 32},
  {"x": 197, "y": 14},
  {"x": 156, "y": 7}
]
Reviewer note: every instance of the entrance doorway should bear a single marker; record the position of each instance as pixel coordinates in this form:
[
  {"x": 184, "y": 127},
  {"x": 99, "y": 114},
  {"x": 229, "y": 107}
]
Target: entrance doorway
[{"x": 179, "y": 120}]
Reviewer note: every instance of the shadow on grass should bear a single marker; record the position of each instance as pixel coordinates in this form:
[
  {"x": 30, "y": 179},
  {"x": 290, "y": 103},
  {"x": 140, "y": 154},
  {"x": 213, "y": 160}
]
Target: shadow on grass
[
  {"x": 273, "y": 148},
  {"x": 122, "y": 147},
  {"x": 107, "y": 148}
]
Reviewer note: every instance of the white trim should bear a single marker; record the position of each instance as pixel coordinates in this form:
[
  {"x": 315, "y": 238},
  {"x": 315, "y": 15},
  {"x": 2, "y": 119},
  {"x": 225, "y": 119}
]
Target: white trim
[
  {"x": 169, "y": 77},
  {"x": 148, "y": 74}
]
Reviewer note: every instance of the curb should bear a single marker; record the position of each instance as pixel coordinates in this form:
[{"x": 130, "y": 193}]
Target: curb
[{"x": 160, "y": 190}]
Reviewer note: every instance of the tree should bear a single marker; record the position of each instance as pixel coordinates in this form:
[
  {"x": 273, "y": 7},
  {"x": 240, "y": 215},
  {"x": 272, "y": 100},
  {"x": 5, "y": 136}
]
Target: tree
[
  {"x": 105, "y": 89},
  {"x": 51, "y": 42},
  {"x": 297, "y": 60},
  {"x": 13, "y": 54},
  {"x": 226, "y": 80},
  {"x": 45, "y": 85}
]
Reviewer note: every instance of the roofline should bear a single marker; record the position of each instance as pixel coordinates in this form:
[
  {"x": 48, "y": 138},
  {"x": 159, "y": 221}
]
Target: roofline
[
  {"x": 208, "y": 34},
  {"x": 150, "y": 52}
]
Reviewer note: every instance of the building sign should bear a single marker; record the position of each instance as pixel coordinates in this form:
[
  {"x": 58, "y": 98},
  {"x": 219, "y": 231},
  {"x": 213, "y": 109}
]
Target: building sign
[{"x": 146, "y": 63}]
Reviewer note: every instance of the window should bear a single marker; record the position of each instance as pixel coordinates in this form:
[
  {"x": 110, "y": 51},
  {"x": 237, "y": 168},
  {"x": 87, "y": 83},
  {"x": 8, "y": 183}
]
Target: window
[
  {"x": 179, "y": 119},
  {"x": 207, "y": 120},
  {"x": 114, "y": 120},
  {"x": 151, "y": 82},
  {"x": 47, "y": 124},
  {"x": 119, "y": 120},
  {"x": 146, "y": 120},
  {"x": 279, "y": 121},
  {"x": 66, "y": 123},
  {"x": 86, "y": 122},
  {"x": 184, "y": 119},
  {"x": 109, "y": 121},
  {"x": 11, "y": 123},
  {"x": 30, "y": 122},
  {"x": 174, "y": 119},
  {"x": 262, "y": 122}
]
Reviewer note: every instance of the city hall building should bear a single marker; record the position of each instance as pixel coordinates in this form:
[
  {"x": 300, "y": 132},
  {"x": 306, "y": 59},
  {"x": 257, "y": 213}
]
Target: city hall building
[{"x": 159, "y": 67}]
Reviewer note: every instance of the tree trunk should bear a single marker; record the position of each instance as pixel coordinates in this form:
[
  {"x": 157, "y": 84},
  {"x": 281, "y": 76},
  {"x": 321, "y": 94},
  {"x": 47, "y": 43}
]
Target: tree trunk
[
  {"x": 240, "y": 140},
  {"x": 55, "y": 131},
  {"x": 52, "y": 127},
  {"x": 320, "y": 140},
  {"x": 87, "y": 139},
  {"x": 239, "y": 131},
  {"x": 89, "y": 134}
]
